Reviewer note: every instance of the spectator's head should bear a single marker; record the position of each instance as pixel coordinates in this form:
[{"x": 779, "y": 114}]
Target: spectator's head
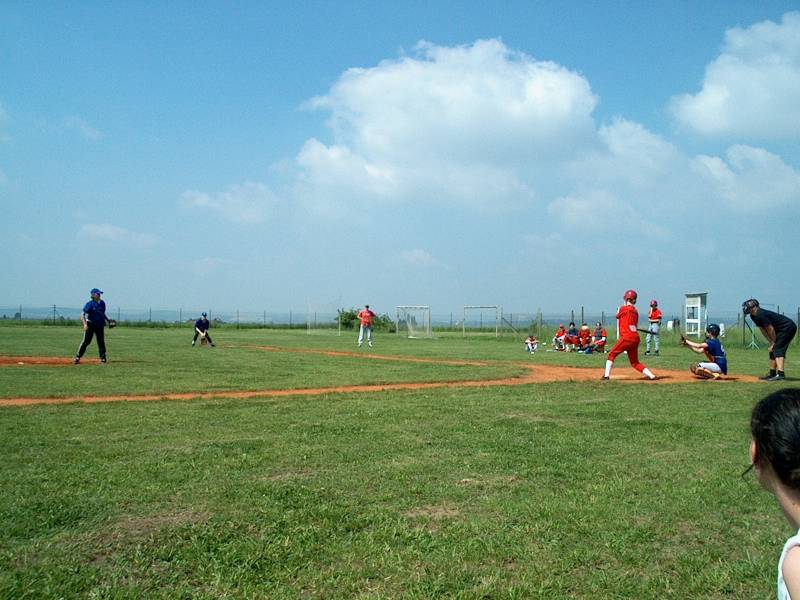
[{"x": 775, "y": 448}]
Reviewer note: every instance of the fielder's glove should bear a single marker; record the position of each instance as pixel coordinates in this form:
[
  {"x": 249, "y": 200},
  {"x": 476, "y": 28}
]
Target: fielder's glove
[{"x": 112, "y": 323}]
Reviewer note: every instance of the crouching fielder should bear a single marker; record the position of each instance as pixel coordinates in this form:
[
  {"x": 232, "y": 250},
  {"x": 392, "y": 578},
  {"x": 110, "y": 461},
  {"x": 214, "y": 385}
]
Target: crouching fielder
[{"x": 628, "y": 341}]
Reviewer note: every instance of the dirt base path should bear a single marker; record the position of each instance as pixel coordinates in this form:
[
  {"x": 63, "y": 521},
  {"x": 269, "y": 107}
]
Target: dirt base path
[
  {"x": 533, "y": 374},
  {"x": 52, "y": 361}
]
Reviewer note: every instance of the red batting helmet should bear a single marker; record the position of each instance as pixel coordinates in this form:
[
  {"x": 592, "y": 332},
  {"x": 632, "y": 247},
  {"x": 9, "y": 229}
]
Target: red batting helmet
[
  {"x": 630, "y": 295},
  {"x": 654, "y": 303}
]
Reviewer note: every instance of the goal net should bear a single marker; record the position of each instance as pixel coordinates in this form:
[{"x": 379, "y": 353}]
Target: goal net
[
  {"x": 322, "y": 317},
  {"x": 482, "y": 320},
  {"x": 414, "y": 321}
]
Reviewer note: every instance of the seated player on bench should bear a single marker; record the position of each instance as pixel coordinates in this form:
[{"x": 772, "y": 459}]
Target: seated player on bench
[
  {"x": 598, "y": 339},
  {"x": 571, "y": 339},
  {"x": 531, "y": 344},
  {"x": 717, "y": 364},
  {"x": 584, "y": 338},
  {"x": 558, "y": 338}
]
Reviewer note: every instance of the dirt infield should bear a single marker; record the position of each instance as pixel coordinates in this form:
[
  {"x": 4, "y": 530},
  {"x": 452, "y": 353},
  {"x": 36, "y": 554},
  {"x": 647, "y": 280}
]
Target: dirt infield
[
  {"x": 52, "y": 361},
  {"x": 533, "y": 374}
]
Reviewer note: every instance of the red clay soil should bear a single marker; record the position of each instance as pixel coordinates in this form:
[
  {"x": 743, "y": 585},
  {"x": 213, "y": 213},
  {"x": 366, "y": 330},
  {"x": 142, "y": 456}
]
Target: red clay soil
[
  {"x": 533, "y": 374},
  {"x": 53, "y": 361}
]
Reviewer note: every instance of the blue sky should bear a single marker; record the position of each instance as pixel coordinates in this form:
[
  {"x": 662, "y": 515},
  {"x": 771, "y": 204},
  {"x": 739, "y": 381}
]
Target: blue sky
[{"x": 280, "y": 155}]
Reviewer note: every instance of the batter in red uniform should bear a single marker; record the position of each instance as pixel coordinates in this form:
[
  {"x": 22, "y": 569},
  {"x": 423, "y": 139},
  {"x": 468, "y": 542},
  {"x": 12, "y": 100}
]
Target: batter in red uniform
[{"x": 628, "y": 341}]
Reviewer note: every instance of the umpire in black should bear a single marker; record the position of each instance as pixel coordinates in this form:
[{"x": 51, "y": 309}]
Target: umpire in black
[
  {"x": 94, "y": 320},
  {"x": 778, "y": 330}
]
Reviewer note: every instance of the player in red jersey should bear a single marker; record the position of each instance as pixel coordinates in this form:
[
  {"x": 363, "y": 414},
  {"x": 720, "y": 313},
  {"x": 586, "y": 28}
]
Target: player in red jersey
[
  {"x": 628, "y": 341},
  {"x": 366, "y": 317},
  {"x": 559, "y": 337},
  {"x": 599, "y": 338},
  {"x": 584, "y": 338}
]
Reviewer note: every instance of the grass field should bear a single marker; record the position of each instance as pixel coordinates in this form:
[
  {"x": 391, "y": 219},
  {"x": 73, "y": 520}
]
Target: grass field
[{"x": 567, "y": 490}]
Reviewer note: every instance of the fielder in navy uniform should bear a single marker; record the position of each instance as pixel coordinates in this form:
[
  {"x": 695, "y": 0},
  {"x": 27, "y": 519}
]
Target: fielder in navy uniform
[
  {"x": 201, "y": 329},
  {"x": 716, "y": 364},
  {"x": 778, "y": 330},
  {"x": 94, "y": 320}
]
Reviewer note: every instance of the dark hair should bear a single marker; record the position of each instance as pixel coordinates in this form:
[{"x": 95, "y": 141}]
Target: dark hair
[{"x": 775, "y": 426}]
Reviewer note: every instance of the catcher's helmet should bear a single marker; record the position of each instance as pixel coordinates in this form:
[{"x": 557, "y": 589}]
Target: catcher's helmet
[
  {"x": 713, "y": 329},
  {"x": 630, "y": 295},
  {"x": 96, "y": 291},
  {"x": 653, "y": 303},
  {"x": 747, "y": 305}
]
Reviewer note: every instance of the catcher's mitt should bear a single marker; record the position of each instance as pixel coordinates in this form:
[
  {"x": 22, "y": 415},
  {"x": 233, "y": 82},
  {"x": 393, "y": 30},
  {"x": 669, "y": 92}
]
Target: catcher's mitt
[{"x": 111, "y": 323}]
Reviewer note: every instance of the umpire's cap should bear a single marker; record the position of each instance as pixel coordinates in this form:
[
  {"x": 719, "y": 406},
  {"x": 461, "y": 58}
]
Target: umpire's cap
[
  {"x": 95, "y": 291},
  {"x": 747, "y": 305}
]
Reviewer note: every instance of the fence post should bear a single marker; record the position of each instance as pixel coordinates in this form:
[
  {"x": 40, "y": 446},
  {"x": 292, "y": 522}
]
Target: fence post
[
  {"x": 541, "y": 320},
  {"x": 180, "y": 315},
  {"x": 603, "y": 318},
  {"x": 572, "y": 315},
  {"x": 118, "y": 314},
  {"x": 150, "y": 315},
  {"x": 237, "y": 318},
  {"x": 583, "y": 320},
  {"x": 290, "y": 319},
  {"x": 54, "y": 314}
]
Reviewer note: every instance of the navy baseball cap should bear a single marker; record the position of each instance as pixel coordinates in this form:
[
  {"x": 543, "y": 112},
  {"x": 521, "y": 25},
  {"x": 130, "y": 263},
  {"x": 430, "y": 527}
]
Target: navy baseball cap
[
  {"x": 96, "y": 291},
  {"x": 204, "y": 315}
]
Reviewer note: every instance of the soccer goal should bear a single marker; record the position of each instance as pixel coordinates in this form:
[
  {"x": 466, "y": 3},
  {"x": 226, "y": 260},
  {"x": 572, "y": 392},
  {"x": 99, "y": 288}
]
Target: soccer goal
[
  {"x": 322, "y": 317},
  {"x": 482, "y": 319},
  {"x": 414, "y": 321}
]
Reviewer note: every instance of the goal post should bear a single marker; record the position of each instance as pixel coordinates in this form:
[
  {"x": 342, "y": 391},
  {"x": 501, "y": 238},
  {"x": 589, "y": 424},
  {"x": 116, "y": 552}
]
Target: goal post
[
  {"x": 489, "y": 316},
  {"x": 414, "y": 321}
]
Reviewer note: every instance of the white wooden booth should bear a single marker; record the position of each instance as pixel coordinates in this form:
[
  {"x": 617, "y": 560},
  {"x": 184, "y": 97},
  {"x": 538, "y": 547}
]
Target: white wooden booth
[{"x": 695, "y": 313}]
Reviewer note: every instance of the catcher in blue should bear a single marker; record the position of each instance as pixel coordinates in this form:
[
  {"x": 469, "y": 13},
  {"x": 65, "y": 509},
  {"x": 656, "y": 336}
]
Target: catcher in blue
[
  {"x": 716, "y": 364},
  {"x": 94, "y": 320}
]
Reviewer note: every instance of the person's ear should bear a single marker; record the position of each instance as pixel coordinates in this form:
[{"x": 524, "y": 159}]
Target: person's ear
[{"x": 754, "y": 453}]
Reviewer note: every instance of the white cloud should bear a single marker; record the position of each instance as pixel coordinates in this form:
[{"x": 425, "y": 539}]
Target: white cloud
[
  {"x": 599, "y": 213},
  {"x": 752, "y": 89},
  {"x": 419, "y": 258},
  {"x": 105, "y": 232},
  {"x": 83, "y": 128},
  {"x": 249, "y": 203},
  {"x": 446, "y": 125},
  {"x": 751, "y": 179}
]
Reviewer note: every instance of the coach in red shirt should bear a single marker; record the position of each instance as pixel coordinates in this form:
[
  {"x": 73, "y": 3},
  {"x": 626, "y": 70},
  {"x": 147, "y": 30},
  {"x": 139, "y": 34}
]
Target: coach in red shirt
[
  {"x": 654, "y": 326},
  {"x": 366, "y": 317}
]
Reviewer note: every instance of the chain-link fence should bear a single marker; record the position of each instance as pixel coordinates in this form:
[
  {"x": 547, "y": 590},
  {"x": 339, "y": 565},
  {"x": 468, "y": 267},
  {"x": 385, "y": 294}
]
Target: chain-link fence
[{"x": 492, "y": 320}]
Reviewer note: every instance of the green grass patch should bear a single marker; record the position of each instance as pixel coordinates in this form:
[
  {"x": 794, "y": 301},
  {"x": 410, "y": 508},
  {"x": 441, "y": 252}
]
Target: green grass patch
[{"x": 569, "y": 490}]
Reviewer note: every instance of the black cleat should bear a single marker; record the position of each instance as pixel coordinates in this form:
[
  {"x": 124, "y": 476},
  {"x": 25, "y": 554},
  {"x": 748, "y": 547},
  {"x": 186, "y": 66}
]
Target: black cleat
[
  {"x": 76, "y": 360},
  {"x": 776, "y": 377},
  {"x": 605, "y": 378},
  {"x": 768, "y": 377}
]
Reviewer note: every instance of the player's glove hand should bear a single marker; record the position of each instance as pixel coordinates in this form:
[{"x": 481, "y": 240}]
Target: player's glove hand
[{"x": 112, "y": 323}]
